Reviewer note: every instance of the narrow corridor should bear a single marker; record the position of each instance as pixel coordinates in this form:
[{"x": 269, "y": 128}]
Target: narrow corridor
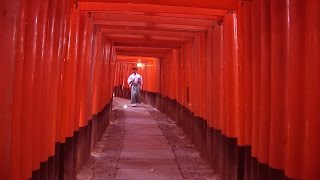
[
  {"x": 135, "y": 147},
  {"x": 235, "y": 84}
]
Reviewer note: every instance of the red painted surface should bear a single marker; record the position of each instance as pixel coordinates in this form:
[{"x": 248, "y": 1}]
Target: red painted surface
[
  {"x": 9, "y": 20},
  {"x": 312, "y": 87},
  {"x": 258, "y": 81},
  {"x": 295, "y": 92},
  {"x": 47, "y": 80},
  {"x": 248, "y": 68}
]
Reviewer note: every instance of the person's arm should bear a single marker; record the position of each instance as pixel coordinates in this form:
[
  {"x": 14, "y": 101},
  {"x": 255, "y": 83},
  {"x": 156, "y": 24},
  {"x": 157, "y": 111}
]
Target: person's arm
[
  {"x": 130, "y": 81},
  {"x": 140, "y": 79}
]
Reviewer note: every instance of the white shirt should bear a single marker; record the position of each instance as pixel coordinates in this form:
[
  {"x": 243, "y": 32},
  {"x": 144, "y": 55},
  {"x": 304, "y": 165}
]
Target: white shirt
[{"x": 135, "y": 78}]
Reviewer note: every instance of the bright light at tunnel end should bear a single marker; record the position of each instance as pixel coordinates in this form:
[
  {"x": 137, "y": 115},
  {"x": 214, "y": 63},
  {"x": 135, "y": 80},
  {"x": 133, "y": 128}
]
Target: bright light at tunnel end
[{"x": 140, "y": 65}]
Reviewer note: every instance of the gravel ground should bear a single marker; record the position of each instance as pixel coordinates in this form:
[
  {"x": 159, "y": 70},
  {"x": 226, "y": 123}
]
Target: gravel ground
[
  {"x": 192, "y": 166},
  {"x": 105, "y": 156}
]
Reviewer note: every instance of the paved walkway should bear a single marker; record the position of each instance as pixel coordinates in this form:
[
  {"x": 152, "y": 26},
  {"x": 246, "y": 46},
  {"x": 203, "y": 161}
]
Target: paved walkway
[
  {"x": 146, "y": 153},
  {"x": 135, "y": 148}
]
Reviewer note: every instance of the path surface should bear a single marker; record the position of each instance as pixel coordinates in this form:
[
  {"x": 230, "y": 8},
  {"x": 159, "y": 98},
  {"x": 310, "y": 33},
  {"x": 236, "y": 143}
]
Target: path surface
[{"x": 135, "y": 147}]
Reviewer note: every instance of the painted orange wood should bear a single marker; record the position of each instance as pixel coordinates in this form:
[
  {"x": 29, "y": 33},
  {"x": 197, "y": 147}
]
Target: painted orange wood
[
  {"x": 43, "y": 90},
  {"x": 312, "y": 87},
  {"x": 265, "y": 91},
  {"x": 148, "y": 8},
  {"x": 256, "y": 75},
  {"x": 295, "y": 93},
  {"x": 15, "y": 145},
  {"x": 248, "y": 68},
  {"x": 226, "y": 4},
  {"x": 279, "y": 61},
  {"x": 10, "y": 20}
]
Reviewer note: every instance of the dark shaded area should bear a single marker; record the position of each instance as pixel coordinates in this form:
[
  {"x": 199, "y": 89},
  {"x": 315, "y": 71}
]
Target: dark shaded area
[
  {"x": 105, "y": 154},
  {"x": 71, "y": 155},
  {"x": 191, "y": 165},
  {"x": 230, "y": 161},
  {"x": 118, "y": 153}
]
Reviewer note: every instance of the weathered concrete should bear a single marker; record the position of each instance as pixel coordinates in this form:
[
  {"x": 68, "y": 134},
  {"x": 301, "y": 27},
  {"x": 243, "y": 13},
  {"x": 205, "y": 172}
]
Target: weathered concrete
[
  {"x": 146, "y": 153},
  {"x": 143, "y": 143}
]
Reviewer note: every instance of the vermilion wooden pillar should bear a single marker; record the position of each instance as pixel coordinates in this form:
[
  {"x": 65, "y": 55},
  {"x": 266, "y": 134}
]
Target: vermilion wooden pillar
[
  {"x": 50, "y": 99},
  {"x": 245, "y": 70},
  {"x": 312, "y": 87},
  {"x": 71, "y": 59},
  {"x": 30, "y": 153},
  {"x": 210, "y": 76},
  {"x": 40, "y": 153},
  {"x": 265, "y": 98},
  {"x": 256, "y": 75},
  {"x": 218, "y": 104},
  {"x": 62, "y": 93},
  {"x": 295, "y": 90},
  {"x": 42, "y": 98},
  {"x": 82, "y": 61},
  {"x": 64, "y": 38},
  {"x": 15, "y": 172},
  {"x": 55, "y": 75},
  {"x": 89, "y": 71},
  {"x": 230, "y": 53},
  {"x": 241, "y": 76},
  {"x": 279, "y": 60},
  {"x": 47, "y": 138},
  {"x": 8, "y": 25},
  {"x": 203, "y": 52},
  {"x": 97, "y": 72},
  {"x": 77, "y": 66}
]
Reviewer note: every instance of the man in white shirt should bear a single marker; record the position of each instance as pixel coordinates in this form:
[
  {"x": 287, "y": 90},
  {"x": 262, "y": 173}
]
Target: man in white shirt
[{"x": 135, "y": 83}]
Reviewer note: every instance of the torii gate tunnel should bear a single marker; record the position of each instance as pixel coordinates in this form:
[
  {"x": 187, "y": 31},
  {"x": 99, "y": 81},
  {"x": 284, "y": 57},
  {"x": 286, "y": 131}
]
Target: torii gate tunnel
[{"x": 240, "y": 77}]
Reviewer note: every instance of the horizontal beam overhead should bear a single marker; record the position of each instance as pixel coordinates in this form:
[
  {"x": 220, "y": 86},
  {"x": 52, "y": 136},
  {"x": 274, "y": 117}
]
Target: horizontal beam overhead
[
  {"x": 159, "y": 14},
  {"x": 152, "y": 19},
  {"x": 211, "y": 4},
  {"x": 190, "y": 16},
  {"x": 145, "y": 28},
  {"x": 140, "y": 54},
  {"x": 102, "y": 6},
  {"x": 130, "y": 62},
  {"x": 148, "y": 32},
  {"x": 121, "y": 37},
  {"x": 148, "y": 44},
  {"x": 154, "y": 27},
  {"x": 137, "y": 37},
  {"x": 163, "y": 43},
  {"x": 142, "y": 50},
  {"x": 136, "y": 59},
  {"x": 143, "y": 25}
]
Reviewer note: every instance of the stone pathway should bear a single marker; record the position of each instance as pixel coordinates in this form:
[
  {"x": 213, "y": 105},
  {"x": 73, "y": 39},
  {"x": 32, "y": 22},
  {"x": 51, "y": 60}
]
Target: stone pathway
[
  {"x": 146, "y": 153},
  {"x": 134, "y": 147}
]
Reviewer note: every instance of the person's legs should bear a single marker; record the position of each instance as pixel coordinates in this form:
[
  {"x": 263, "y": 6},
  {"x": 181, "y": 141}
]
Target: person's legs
[
  {"x": 134, "y": 95},
  {"x": 138, "y": 95},
  {"x": 131, "y": 92}
]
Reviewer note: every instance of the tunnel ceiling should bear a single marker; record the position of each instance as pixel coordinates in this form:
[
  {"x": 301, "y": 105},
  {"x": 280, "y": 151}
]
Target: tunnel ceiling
[{"x": 153, "y": 27}]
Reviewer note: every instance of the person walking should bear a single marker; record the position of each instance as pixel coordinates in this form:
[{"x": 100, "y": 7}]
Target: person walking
[{"x": 135, "y": 84}]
